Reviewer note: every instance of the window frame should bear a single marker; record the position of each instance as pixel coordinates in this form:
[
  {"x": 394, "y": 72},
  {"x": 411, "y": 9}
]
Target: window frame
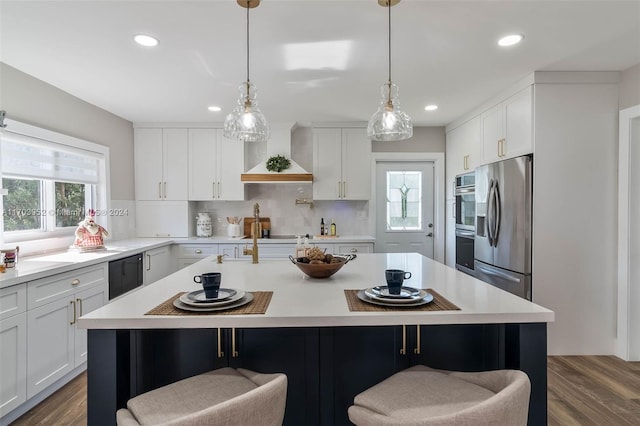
[{"x": 98, "y": 196}]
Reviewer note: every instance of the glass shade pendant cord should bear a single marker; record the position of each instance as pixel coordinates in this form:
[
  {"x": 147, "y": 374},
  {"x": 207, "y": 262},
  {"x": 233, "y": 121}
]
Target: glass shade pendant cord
[
  {"x": 246, "y": 122},
  {"x": 389, "y": 122}
]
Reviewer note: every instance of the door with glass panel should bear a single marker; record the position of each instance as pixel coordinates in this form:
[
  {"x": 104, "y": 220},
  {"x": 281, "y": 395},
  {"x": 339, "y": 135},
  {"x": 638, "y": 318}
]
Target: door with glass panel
[{"x": 404, "y": 207}]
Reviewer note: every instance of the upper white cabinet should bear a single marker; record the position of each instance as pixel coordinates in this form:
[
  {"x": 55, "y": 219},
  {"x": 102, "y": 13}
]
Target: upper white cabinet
[
  {"x": 463, "y": 150},
  {"x": 161, "y": 164},
  {"x": 341, "y": 164},
  {"x": 215, "y": 166},
  {"x": 507, "y": 129}
]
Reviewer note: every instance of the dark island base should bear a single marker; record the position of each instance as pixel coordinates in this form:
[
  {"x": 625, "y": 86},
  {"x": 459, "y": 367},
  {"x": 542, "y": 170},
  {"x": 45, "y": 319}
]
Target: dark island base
[{"x": 326, "y": 367}]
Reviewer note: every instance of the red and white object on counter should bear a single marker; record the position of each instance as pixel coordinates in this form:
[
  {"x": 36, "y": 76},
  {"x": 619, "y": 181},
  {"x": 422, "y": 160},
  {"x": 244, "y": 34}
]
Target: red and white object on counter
[{"x": 90, "y": 235}]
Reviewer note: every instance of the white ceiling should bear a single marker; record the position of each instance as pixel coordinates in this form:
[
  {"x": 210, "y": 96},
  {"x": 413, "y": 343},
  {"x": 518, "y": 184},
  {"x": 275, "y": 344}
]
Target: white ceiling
[{"x": 443, "y": 52}]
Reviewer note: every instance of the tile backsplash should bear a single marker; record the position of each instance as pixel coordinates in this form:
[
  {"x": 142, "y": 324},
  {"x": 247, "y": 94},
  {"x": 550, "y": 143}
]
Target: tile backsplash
[{"x": 277, "y": 201}]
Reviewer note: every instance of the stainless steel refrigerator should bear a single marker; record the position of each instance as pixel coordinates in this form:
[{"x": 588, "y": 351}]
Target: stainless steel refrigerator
[{"x": 502, "y": 252}]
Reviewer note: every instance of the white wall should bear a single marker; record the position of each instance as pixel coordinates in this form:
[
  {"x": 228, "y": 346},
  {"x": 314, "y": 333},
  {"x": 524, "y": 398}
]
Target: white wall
[
  {"x": 630, "y": 87},
  {"x": 574, "y": 216}
]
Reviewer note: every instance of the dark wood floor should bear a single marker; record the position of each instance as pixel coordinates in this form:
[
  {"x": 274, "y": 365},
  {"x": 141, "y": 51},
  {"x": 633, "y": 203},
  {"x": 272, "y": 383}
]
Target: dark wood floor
[{"x": 583, "y": 390}]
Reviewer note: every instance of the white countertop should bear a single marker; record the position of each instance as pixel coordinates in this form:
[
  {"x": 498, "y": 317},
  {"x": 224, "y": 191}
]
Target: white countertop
[{"x": 300, "y": 301}]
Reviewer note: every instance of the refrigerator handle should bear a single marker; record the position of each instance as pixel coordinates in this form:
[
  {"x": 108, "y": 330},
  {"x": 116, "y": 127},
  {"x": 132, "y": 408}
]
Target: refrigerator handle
[
  {"x": 496, "y": 206},
  {"x": 489, "y": 211},
  {"x": 497, "y": 273}
]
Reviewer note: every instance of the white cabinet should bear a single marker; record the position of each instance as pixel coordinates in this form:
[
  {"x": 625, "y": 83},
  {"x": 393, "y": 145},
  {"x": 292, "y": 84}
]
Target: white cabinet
[
  {"x": 189, "y": 254},
  {"x": 341, "y": 164},
  {"x": 163, "y": 219},
  {"x": 161, "y": 164},
  {"x": 55, "y": 345},
  {"x": 215, "y": 166},
  {"x": 507, "y": 128},
  {"x": 353, "y": 248},
  {"x": 13, "y": 348},
  {"x": 464, "y": 145},
  {"x": 158, "y": 263}
]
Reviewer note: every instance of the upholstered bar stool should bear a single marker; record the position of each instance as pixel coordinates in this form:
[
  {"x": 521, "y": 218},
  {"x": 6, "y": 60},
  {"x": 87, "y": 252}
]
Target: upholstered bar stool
[
  {"x": 421, "y": 396},
  {"x": 225, "y": 396}
]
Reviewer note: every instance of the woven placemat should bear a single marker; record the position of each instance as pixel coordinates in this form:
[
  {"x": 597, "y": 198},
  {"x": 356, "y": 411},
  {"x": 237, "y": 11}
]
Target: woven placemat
[
  {"x": 258, "y": 305},
  {"x": 440, "y": 303}
]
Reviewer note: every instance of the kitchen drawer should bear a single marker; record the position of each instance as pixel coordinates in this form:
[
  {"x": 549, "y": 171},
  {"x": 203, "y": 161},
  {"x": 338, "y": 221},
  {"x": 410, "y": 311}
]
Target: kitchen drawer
[
  {"x": 13, "y": 300},
  {"x": 354, "y": 248},
  {"x": 197, "y": 251},
  {"x": 45, "y": 290}
]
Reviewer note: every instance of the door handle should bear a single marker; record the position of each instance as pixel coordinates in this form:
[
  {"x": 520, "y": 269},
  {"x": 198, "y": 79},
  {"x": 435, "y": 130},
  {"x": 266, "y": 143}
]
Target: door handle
[
  {"x": 213, "y": 190},
  {"x": 496, "y": 207},
  {"x": 234, "y": 352},
  {"x": 165, "y": 189},
  {"x": 220, "y": 352},
  {"x": 159, "y": 189},
  {"x": 344, "y": 189},
  {"x": 79, "y": 306},
  {"x": 403, "y": 349},
  {"x": 416, "y": 350},
  {"x": 498, "y": 274},
  {"x": 148, "y": 262},
  {"x": 339, "y": 189},
  {"x": 430, "y": 234},
  {"x": 219, "y": 190},
  {"x": 73, "y": 321}
]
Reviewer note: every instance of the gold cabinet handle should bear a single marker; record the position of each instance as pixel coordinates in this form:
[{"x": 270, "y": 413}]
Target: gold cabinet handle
[
  {"x": 79, "y": 306},
  {"x": 416, "y": 350},
  {"x": 234, "y": 352},
  {"x": 165, "y": 189},
  {"x": 213, "y": 190},
  {"x": 339, "y": 189},
  {"x": 220, "y": 353},
  {"x": 354, "y": 250},
  {"x": 219, "y": 190},
  {"x": 73, "y": 321},
  {"x": 75, "y": 282},
  {"x": 198, "y": 251},
  {"x": 403, "y": 349},
  {"x": 148, "y": 262},
  {"x": 159, "y": 189},
  {"x": 344, "y": 189}
]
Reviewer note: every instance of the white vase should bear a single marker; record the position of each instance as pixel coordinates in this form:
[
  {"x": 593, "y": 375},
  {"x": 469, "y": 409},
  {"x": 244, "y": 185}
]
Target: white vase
[{"x": 203, "y": 225}]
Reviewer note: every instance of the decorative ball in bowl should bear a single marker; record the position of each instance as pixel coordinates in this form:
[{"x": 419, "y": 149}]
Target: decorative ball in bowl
[{"x": 316, "y": 268}]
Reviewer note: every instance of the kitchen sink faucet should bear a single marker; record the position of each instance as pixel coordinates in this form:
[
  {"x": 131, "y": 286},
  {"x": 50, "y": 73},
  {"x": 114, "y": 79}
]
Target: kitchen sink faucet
[{"x": 255, "y": 230}]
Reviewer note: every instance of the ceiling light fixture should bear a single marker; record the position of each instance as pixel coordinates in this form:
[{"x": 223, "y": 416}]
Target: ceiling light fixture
[
  {"x": 214, "y": 108},
  {"x": 145, "y": 40},
  {"x": 510, "y": 40},
  {"x": 246, "y": 122},
  {"x": 431, "y": 107},
  {"x": 389, "y": 122}
]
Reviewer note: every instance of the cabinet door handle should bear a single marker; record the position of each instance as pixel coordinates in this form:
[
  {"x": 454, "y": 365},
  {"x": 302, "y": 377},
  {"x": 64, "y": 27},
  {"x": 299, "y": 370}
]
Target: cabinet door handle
[
  {"x": 76, "y": 281},
  {"x": 73, "y": 321},
  {"x": 79, "y": 306},
  {"x": 165, "y": 189},
  {"x": 403, "y": 349},
  {"x": 148, "y": 262},
  {"x": 234, "y": 352},
  {"x": 159, "y": 189},
  {"x": 213, "y": 190},
  {"x": 219, "y": 190},
  {"x": 344, "y": 189},
  {"x": 339, "y": 189},
  {"x": 220, "y": 353},
  {"x": 235, "y": 252},
  {"x": 416, "y": 350}
]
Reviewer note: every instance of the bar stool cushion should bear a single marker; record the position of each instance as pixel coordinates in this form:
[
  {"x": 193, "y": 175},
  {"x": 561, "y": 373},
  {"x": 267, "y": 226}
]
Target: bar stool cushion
[
  {"x": 220, "y": 397},
  {"x": 424, "y": 396}
]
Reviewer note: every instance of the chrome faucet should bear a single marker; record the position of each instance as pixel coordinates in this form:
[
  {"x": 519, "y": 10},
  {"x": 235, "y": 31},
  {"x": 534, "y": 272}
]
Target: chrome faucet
[{"x": 255, "y": 230}]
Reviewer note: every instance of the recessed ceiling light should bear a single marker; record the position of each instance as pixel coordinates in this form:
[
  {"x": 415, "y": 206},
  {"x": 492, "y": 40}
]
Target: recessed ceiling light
[
  {"x": 214, "y": 108},
  {"x": 431, "y": 107},
  {"x": 510, "y": 40},
  {"x": 145, "y": 40}
]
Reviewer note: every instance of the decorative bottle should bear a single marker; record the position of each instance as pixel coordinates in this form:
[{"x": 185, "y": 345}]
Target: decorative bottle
[
  {"x": 321, "y": 226},
  {"x": 333, "y": 228}
]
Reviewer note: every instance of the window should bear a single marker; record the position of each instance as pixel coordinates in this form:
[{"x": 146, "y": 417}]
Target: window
[
  {"x": 404, "y": 204},
  {"x": 51, "y": 181}
]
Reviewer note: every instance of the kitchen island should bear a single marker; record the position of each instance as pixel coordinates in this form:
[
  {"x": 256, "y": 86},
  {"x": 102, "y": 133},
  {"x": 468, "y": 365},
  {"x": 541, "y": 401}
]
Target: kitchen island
[{"x": 328, "y": 352}]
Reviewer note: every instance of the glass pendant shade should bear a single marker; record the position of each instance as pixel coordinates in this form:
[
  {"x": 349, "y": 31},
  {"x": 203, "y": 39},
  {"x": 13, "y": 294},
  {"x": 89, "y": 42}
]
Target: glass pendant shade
[
  {"x": 246, "y": 122},
  {"x": 389, "y": 122}
]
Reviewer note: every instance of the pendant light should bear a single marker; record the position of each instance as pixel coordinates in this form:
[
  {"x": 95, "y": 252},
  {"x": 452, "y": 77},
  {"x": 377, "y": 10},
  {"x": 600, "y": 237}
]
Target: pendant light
[
  {"x": 389, "y": 122},
  {"x": 246, "y": 122}
]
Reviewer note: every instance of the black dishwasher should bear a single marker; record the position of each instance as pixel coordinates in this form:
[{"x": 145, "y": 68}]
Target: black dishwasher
[{"x": 124, "y": 275}]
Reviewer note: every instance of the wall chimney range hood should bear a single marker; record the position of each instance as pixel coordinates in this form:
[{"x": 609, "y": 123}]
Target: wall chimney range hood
[{"x": 278, "y": 144}]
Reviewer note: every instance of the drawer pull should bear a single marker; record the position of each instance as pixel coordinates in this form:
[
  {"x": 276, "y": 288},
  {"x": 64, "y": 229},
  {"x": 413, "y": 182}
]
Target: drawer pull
[
  {"x": 198, "y": 251},
  {"x": 354, "y": 250},
  {"x": 75, "y": 282}
]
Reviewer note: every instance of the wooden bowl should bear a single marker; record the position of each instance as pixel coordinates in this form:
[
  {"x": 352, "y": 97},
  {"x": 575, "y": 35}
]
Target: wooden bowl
[{"x": 321, "y": 270}]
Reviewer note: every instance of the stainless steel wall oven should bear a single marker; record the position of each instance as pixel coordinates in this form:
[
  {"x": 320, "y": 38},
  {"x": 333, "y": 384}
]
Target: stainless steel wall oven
[{"x": 465, "y": 222}]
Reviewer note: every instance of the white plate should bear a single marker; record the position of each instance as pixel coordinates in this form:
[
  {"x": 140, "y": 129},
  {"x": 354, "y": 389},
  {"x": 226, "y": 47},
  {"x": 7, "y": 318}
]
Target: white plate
[
  {"x": 187, "y": 301},
  {"x": 415, "y": 297},
  {"x": 200, "y": 296},
  {"x": 405, "y": 292},
  {"x": 428, "y": 298},
  {"x": 248, "y": 297}
]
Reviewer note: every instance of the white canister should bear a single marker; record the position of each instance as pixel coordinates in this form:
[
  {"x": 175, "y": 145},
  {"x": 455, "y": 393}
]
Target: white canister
[
  {"x": 233, "y": 230},
  {"x": 203, "y": 225}
]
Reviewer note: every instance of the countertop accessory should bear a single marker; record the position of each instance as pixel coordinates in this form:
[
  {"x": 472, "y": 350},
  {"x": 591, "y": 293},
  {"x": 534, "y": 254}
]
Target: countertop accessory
[
  {"x": 322, "y": 270},
  {"x": 439, "y": 303},
  {"x": 203, "y": 225},
  {"x": 246, "y": 122},
  {"x": 223, "y": 294},
  {"x": 248, "y": 297},
  {"x": 278, "y": 163},
  {"x": 258, "y": 305}
]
